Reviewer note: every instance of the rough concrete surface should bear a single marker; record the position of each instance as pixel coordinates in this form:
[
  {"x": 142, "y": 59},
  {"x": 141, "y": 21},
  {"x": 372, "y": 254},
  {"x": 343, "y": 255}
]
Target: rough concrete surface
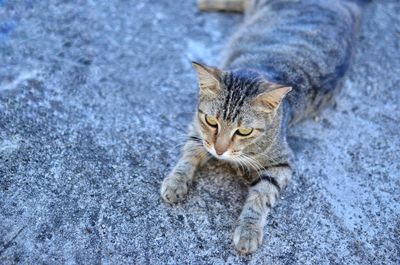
[{"x": 95, "y": 97}]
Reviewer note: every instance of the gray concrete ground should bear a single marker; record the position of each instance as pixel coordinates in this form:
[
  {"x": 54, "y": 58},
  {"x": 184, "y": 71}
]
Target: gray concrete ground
[{"x": 95, "y": 97}]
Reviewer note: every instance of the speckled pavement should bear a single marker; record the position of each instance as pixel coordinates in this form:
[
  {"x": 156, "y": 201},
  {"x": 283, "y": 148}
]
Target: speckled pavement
[{"x": 95, "y": 97}]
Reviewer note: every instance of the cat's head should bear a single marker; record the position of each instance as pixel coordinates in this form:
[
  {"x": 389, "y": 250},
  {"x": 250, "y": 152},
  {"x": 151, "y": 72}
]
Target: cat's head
[{"x": 236, "y": 109}]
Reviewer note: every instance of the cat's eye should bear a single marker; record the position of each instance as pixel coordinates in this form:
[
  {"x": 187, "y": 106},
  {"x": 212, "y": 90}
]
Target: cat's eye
[
  {"x": 244, "y": 131},
  {"x": 212, "y": 121}
]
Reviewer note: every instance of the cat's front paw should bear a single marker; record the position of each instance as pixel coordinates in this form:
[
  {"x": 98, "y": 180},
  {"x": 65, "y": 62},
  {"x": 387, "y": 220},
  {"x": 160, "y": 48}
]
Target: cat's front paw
[
  {"x": 247, "y": 238},
  {"x": 173, "y": 189}
]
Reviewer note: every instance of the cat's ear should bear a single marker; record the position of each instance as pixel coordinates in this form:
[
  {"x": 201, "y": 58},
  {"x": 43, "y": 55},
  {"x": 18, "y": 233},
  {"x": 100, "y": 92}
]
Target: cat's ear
[
  {"x": 209, "y": 78},
  {"x": 270, "y": 100}
]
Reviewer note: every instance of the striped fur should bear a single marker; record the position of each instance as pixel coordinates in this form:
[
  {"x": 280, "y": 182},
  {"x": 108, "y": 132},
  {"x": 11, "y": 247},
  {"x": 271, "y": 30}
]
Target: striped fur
[
  {"x": 305, "y": 44},
  {"x": 285, "y": 63}
]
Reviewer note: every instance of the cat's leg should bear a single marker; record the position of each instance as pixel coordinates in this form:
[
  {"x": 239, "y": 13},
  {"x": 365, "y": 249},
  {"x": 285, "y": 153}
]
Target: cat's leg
[
  {"x": 175, "y": 186},
  {"x": 262, "y": 196}
]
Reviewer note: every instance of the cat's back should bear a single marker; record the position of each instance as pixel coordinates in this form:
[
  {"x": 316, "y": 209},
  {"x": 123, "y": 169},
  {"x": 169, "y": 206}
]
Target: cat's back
[{"x": 305, "y": 44}]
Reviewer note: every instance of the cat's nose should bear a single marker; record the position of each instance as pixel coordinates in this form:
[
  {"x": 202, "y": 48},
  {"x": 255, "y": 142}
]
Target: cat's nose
[
  {"x": 221, "y": 145},
  {"x": 219, "y": 151}
]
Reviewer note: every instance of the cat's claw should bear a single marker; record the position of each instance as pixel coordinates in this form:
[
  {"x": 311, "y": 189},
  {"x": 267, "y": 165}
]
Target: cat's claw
[
  {"x": 247, "y": 238},
  {"x": 173, "y": 190}
]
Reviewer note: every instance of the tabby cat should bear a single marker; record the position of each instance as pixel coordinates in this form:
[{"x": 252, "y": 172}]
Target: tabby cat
[{"x": 285, "y": 63}]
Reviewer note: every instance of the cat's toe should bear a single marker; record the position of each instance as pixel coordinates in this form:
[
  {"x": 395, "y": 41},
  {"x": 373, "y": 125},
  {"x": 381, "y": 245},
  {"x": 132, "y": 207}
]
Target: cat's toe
[
  {"x": 173, "y": 190},
  {"x": 247, "y": 238}
]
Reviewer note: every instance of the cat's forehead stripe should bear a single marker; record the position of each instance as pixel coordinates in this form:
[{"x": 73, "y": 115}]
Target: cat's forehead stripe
[{"x": 237, "y": 89}]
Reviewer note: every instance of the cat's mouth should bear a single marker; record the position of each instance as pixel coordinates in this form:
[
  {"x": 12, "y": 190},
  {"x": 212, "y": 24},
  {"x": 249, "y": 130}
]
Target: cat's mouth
[
  {"x": 225, "y": 156},
  {"x": 228, "y": 155}
]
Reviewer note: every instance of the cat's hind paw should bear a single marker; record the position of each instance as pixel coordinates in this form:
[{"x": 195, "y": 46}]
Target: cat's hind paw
[
  {"x": 173, "y": 189},
  {"x": 247, "y": 238}
]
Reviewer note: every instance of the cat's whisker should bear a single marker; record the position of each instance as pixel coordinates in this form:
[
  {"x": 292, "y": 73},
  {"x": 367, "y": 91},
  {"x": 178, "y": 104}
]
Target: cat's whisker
[
  {"x": 204, "y": 155},
  {"x": 258, "y": 164},
  {"x": 244, "y": 162},
  {"x": 180, "y": 135},
  {"x": 181, "y": 146},
  {"x": 264, "y": 155},
  {"x": 251, "y": 167},
  {"x": 254, "y": 160},
  {"x": 255, "y": 164},
  {"x": 236, "y": 160},
  {"x": 199, "y": 150},
  {"x": 173, "y": 148}
]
